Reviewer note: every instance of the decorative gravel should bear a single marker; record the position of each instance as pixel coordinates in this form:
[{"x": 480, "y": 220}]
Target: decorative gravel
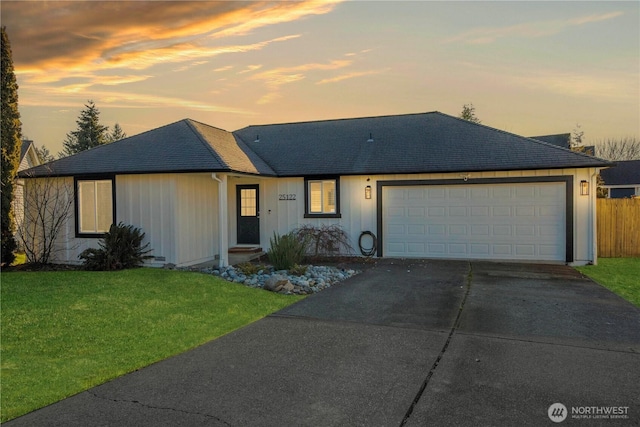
[{"x": 316, "y": 278}]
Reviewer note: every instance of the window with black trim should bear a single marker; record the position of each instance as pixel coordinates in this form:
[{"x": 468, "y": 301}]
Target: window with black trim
[
  {"x": 94, "y": 206},
  {"x": 322, "y": 197}
]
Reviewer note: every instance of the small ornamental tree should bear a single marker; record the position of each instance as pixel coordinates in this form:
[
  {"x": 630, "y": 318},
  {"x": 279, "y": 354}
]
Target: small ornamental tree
[
  {"x": 324, "y": 240},
  {"x": 48, "y": 207}
]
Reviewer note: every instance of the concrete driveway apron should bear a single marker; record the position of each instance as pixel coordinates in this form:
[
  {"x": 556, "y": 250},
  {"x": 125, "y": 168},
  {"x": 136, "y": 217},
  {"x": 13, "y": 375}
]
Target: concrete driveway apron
[{"x": 403, "y": 343}]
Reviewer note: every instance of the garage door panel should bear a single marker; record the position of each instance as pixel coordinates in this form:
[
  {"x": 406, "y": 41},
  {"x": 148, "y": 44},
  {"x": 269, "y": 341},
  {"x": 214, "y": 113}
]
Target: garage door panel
[
  {"x": 502, "y": 230},
  {"x": 457, "y": 249},
  {"x": 458, "y": 211},
  {"x": 501, "y": 211},
  {"x": 502, "y": 251},
  {"x": 525, "y": 211},
  {"x": 395, "y": 212},
  {"x": 480, "y": 230},
  {"x": 480, "y": 249},
  {"x": 416, "y": 248},
  {"x": 525, "y": 250},
  {"x": 416, "y": 229},
  {"x": 397, "y": 230},
  {"x": 483, "y": 221},
  {"x": 480, "y": 211},
  {"x": 416, "y": 194}
]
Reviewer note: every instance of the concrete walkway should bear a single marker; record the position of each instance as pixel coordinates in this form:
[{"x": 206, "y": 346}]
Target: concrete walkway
[{"x": 404, "y": 343}]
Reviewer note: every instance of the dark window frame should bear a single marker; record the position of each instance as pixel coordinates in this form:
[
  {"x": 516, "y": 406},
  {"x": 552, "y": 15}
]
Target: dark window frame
[
  {"x": 76, "y": 181},
  {"x": 307, "y": 180}
]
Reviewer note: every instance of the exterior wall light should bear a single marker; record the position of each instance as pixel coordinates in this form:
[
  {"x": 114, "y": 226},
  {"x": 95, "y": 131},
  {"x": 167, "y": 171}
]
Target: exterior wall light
[
  {"x": 584, "y": 188},
  {"x": 367, "y": 192}
]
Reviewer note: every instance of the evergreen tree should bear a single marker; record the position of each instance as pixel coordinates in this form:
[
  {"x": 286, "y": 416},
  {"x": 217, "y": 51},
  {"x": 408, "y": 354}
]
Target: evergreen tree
[
  {"x": 11, "y": 144},
  {"x": 116, "y": 134},
  {"x": 44, "y": 155},
  {"x": 469, "y": 113},
  {"x": 90, "y": 133}
]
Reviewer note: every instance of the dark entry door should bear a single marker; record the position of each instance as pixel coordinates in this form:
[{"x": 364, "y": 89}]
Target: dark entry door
[{"x": 248, "y": 208}]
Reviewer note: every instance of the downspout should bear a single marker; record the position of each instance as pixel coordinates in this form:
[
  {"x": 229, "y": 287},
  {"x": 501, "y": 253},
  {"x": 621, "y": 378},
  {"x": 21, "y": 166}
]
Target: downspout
[
  {"x": 593, "y": 215},
  {"x": 222, "y": 218}
]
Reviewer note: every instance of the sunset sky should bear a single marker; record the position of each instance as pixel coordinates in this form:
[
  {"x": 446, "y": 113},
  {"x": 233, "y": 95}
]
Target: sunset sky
[{"x": 531, "y": 68}]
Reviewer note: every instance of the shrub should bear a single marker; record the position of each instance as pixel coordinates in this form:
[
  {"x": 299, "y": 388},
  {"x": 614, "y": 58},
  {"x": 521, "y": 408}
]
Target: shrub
[
  {"x": 120, "y": 248},
  {"x": 286, "y": 251},
  {"x": 325, "y": 240},
  {"x": 249, "y": 269},
  {"x": 298, "y": 270}
]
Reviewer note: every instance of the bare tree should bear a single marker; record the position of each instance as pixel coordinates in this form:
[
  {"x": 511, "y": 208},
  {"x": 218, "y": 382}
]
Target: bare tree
[
  {"x": 627, "y": 148},
  {"x": 48, "y": 206}
]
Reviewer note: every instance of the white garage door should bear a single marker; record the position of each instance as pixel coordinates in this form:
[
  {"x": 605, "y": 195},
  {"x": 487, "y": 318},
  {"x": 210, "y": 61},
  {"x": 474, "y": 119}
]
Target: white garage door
[{"x": 524, "y": 221}]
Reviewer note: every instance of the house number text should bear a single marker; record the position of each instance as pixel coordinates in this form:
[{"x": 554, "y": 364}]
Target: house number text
[{"x": 286, "y": 196}]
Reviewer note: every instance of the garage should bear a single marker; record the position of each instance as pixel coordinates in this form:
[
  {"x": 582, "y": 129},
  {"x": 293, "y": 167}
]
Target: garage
[{"x": 487, "y": 219}]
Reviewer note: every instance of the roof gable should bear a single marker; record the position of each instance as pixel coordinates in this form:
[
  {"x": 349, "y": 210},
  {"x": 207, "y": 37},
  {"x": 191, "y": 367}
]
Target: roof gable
[{"x": 28, "y": 155}]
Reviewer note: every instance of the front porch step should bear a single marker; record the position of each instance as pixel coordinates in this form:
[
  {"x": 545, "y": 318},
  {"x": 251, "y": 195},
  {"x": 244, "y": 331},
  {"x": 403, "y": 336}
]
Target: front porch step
[
  {"x": 236, "y": 258},
  {"x": 245, "y": 250}
]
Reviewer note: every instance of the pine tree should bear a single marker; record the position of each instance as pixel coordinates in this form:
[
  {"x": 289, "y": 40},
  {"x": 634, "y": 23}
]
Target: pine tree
[
  {"x": 116, "y": 134},
  {"x": 11, "y": 144},
  {"x": 90, "y": 133},
  {"x": 44, "y": 155}
]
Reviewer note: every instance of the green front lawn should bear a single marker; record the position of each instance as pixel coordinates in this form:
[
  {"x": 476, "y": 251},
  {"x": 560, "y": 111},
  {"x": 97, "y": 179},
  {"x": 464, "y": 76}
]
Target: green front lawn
[
  {"x": 64, "y": 332},
  {"x": 620, "y": 275}
]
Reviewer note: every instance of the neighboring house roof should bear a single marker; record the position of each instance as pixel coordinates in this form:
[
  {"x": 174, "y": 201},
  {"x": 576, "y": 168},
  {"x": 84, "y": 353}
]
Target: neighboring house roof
[
  {"x": 564, "y": 140},
  {"x": 624, "y": 173},
  {"x": 411, "y": 143},
  {"x": 28, "y": 155},
  {"x": 561, "y": 140}
]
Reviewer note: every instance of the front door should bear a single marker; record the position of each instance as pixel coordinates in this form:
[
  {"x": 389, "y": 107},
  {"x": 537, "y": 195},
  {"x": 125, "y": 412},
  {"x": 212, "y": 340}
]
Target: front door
[{"x": 248, "y": 212}]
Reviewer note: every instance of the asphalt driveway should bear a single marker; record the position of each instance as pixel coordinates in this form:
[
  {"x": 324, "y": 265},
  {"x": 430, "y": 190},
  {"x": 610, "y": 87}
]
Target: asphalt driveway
[{"x": 410, "y": 343}]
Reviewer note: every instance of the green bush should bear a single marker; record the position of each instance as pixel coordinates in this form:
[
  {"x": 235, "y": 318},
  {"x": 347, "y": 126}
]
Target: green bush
[
  {"x": 249, "y": 269},
  {"x": 120, "y": 248},
  {"x": 298, "y": 270},
  {"x": 286, "y": 251}
]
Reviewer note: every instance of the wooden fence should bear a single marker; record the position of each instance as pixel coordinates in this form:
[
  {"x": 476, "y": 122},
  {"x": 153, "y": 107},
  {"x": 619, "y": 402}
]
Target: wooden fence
[{"x": 618, "y": 227}]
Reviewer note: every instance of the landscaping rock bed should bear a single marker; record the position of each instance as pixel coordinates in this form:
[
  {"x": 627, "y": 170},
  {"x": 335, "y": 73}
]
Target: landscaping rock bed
[{"x": 315, "y": 279}]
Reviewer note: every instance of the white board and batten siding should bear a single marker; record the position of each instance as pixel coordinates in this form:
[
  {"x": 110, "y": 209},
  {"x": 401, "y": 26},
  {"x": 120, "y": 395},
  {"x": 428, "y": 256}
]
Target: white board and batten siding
[
  {"x": 505, "y": 221},
  {"x": 524, "y": 221},
  {"x": 177, "y": 212}
]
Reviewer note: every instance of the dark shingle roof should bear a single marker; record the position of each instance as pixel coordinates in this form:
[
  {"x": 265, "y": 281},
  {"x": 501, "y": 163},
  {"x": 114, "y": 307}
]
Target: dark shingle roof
[
  {"x": 411, "y": 143},
  {"x": 184, "y": 146},
  {"x": 624, "y": 172}
]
